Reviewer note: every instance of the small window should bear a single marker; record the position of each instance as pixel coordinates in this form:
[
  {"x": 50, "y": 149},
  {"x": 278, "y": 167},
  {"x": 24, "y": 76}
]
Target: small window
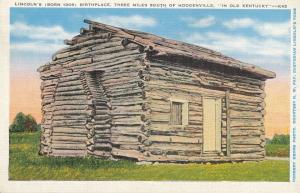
[
  {"x": 176, "y": 113},
  {"x": 179, "y": 112}
]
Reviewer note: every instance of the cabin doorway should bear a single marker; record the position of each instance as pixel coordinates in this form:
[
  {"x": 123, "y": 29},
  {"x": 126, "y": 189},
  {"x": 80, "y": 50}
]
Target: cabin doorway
[{"x": 211, "y": 125}]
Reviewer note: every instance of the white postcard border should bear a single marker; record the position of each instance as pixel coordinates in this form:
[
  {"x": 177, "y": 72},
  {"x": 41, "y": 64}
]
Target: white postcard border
[{"x": 151, "y": 186}]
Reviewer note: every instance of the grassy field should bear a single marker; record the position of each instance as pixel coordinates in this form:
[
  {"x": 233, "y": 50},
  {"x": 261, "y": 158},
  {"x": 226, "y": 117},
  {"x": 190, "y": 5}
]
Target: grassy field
[
  {"x": 26, "y": 164},
  {"x": 278, "y": 150}
]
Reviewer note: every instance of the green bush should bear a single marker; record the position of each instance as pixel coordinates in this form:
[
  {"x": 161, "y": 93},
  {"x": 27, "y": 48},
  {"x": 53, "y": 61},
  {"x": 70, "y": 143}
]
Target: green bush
[
  {"x": 280, "y": 139},
  {"x": 23, "y": 123},
  {"x": 277, "y": 150}
]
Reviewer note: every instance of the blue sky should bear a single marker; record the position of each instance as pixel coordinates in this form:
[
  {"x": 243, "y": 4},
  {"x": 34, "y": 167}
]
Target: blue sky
[{"x": 260, "y": 37}]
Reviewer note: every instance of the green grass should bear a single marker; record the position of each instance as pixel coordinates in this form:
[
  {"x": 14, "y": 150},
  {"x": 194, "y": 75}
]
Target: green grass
[
  {"x": 26, "y": 164},
  {"x": 278, "y": 150}
]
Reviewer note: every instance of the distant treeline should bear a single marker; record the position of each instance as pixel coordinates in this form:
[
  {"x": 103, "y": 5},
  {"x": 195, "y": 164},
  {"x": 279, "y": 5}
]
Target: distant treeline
[
  {"x": 279, "y": 139},
  {"x": 23, "y": 123}
]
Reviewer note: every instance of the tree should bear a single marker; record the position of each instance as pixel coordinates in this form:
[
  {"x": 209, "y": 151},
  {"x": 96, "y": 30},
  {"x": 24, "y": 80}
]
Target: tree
[
  {"x": 30, "y": 124},
  {"x": 23, "y": 122},
  {"x": 19, "y": 123}
]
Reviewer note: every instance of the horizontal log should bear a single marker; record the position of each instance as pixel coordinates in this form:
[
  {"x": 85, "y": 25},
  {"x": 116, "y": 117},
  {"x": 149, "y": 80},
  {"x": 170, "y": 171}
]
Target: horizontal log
[
  {"x": 73, "y": 102},
  {"x": 174, "y": 152},
  {"x": 174, "y": 147},
  {"x": 69, "y": 146},
  {"x": 65, "y": 78},
  {"x": 127, "y": 103},
  {"x": 120, "y": 62},
  {"x": 47, "y": 101},
  {"x": 101, "y": 128},
  {"x": 173, "y": 139},
  {"x": 246, "y": 140},
  {"x": 85, "y": 38},
  {"x": 245, "y": 132},
  {"x": 101, "y": 117},
  {"x": 132, "y": 108},
  {"x": 169, "y": 131},
  {"x": 56, "y": 56},
  {"x": 117, "y": 54},
  {"x": 102, "y": 140},
  {"x": 241, "y": 146},
  {"x": 245, "y": 114},
  {"x": 73, "y": 112},
  {"x": 246, "y": 150},
  {"x": 69, "y": 138},
  {"x": 245, "y": 98},
  {"x": 127, "y": 118},
  {"x": 69, "y": 130},
  {"x": 106, "y": 45},
  {"x": 245, "y": 123},
  {"x": 136, "y": 92},
  {"x": 87, "y": 43},
  {"x": 70, "y": 83},
  {"x": 103, "y": 51},
  {"x": 241, "y": 107},
  {"x": 123, "y": 139},
  {"x": 112, "y": 83},
  {"x": 70, "y": 93},
  {"x": 76, "y": 97},
  {"x": 242, "y": 156},
  {"x": 154, "y": 116},
  {"x": 70, "y": 88},
  {"x": 101, "y": 136},
  {"x": 129, "y": 68},
  {"x": 50, "y": 75},
  {"x": 70, "y": 107},
  {"x": 68, "y": 122},
  {"x": 129, "y": 147},
  {"x": 68, "y": 134},
  {"x": 127, "y": 153},
  {"x": 103, "y": 146},
  {"x": 125, "y": 129},
  {"x": 103, "y": 154},
  {"x": 68, "y": 153},
  {"x": 260, "y": 128}
]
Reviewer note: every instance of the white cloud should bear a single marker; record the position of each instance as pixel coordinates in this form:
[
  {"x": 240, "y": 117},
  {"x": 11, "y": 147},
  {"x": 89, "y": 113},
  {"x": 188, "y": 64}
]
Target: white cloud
[
  {"x": 131, "y": 22},
  {"x": 200, "y": 22},
  {"x": 54, "y": 33},
  {"x": 239, "y": 23},
  {"x": 252, "y": 49},
  {"x": 274, "y": 29},
  {"x": 37, "y": 40},
  {"x": 231, "y": 43},
  {"x": 36, "y": 47}
]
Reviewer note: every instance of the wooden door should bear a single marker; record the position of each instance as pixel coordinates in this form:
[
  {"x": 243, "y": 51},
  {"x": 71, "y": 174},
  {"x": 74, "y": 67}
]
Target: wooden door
[{"x": 211, "y": 125}]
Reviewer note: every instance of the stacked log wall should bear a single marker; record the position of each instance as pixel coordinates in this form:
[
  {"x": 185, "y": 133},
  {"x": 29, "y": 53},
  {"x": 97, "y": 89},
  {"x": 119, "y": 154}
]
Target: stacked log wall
[
  {"x": 48, "y": 88},
  {"x": 184, "y": 143},
  {"x": 74, "y": 115}
]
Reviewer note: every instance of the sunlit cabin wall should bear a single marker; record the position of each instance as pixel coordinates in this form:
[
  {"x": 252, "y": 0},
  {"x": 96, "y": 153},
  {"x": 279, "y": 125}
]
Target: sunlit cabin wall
[{"x": 242, "y": 101}]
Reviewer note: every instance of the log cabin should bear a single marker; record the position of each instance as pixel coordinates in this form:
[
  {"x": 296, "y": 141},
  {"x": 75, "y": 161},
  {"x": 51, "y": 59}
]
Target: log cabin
[{"x": 115, "y": 93}]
